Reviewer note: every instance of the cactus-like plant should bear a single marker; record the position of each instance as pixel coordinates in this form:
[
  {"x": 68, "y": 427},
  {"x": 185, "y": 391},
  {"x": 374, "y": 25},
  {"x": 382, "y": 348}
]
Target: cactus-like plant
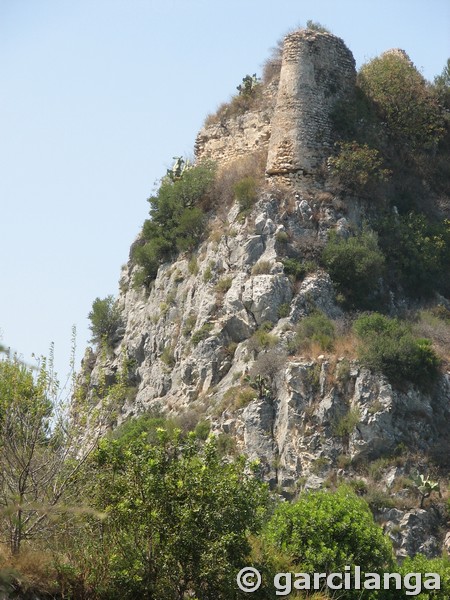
[{"x": 425, "y": 487}]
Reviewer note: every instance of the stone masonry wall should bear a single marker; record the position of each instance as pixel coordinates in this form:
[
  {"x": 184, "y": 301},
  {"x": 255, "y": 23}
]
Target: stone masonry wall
[
  {"x": 317, "y": 71},
  {"x": 294, "y": 121}
]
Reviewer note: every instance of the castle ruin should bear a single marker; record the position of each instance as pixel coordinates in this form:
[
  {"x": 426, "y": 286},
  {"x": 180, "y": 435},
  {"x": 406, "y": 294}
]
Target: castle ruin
[{"x": 317, "y": 71}]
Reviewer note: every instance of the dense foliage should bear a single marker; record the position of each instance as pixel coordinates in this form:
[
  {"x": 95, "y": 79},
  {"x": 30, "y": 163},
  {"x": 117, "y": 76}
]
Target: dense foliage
[
  {"x": 355, "y": 265},
  {"x": 389, "y": 346},
  {"x": 417, "y": 253},
  {"x": 177, "y": 516},
  {"x": 403, "y": 100},
  {"x": 177, "y": 220},
  {"x": 325, "y": 531},
  {"x": 105, "y": 319}
]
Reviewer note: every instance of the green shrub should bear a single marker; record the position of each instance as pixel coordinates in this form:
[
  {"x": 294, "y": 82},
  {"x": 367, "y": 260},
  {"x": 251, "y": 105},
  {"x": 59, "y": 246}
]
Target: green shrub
[
  {"x": 246, "y": 193},
  {"x": 317, "y": 328},
  {"x": 105, "y": 319},
  {"x": 417, "y": 253},
  {"x": 297, "y": 269},
  {"x": 282, "y": 237},
  {"x": 325, "y": 531},
  {"x": 387, "y": 345},
  {"x": 262, "y": 267},
  {"x": 177, "y": 218},
  {"x": 202, "y": 429},
  {"x": 223, "y": 285},
  {"x": 189, "y": 324},
  {"x": 262, "y": 339},
  {"x": 193, "y": 265},
  {"x": 403, "y": 100},
  {"x": 357, "y": 166},
  {"x": 355, "y": 265},
  {"x": 421, "y": 564},
  {"x": 346, "y": 424},
  {"x": 208, "y": 274},
  {"x": 201, "y": 334},
  {"x": 284, "y": 310},
  {"x": 168, "y": 357}
]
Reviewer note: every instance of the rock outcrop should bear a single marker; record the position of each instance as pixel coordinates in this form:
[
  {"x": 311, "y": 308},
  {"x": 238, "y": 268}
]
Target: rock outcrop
[{"x": 228, "y": 311}]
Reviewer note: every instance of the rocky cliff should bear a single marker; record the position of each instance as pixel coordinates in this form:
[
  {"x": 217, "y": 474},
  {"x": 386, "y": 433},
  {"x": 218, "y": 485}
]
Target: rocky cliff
[{"x": 211, "y": 338}]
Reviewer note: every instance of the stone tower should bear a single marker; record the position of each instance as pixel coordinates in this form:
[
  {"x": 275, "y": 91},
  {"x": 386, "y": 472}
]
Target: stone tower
[{"x": 317, "y": 70}]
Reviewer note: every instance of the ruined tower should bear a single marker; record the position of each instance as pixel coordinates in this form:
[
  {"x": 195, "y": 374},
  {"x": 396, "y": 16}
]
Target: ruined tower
[{"x": 317, "y": 70}]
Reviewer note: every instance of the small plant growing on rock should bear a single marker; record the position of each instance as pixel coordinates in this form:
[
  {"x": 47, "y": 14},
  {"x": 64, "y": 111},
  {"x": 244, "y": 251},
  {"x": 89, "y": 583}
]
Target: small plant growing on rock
[
  {"x": 201, "y": 334},
  {"x": 425, "y": 486},
  {"x": 105, "y": 319},
  {"x": 223, "y": 285},
  {"x": 262, "y": 267},
  {"x": 246, "y": 193}
]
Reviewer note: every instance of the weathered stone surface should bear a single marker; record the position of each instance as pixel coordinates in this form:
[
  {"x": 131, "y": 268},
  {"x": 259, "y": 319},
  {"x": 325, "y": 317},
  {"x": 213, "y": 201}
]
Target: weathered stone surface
[
  {"x": 190, "y": 338},
  {"x": 317, "y": 71}
]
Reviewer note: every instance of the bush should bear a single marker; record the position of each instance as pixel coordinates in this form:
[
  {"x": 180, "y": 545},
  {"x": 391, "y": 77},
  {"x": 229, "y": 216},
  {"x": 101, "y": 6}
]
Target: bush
[
  {"x": 223, "y": 285},
  {"x": 421, "y": 564},
  {"x": 178, "y": 498},
  {"x": 201, "y": 334},
  {"x": 296, "y": 269},
  {"x": 402, "y": 99},
  {"x": 357, "y": 166},
  {"x": 177, "y": 218},
  {"x": 262, "y": 339},
  {"x": 418, "y": 253},
  {"x": 262, "y": 267},
  {"x": 315, "y": 328},
  {"x": 246, "y": 193},
  {"x": 387, "y": 345},
  {"x": 105, "y": 319},
  {"x": 325, "y": 531},
  {"x": 355, "y": 266}
]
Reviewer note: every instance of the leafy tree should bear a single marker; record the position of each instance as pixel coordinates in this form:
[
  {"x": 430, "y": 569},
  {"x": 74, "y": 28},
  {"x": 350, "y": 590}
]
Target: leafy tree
[
  {"x": 105, "y": 319},
  {"x": 417, "y": 251},
  {"x": 442, "y": 85},
  {"x": 387, "y": 345},
  {"x": 421, "y": 564},
  {"x": 248, "y": 85},
  {"x": 178, "y": 516},
  {"x": 357, "y": 166},
  {"x": 325, "y": 531},
  {"x": 39, "y": 460},
  {"x": 355, "y": 265},
  {"x": 403, "y": 100},
  {"x": 177, "y": 220}
]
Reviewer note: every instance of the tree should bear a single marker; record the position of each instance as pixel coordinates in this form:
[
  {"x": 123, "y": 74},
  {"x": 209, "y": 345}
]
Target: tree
[
  {"x": 355, "y": 265},
  {"x": 177, "y": 212},
  {"x": 442, "y": 85},
  {"x": 417, "y": 252},
  {"x": 325, "y": 531},
  {"x": 178, "y": 516},
  {"x": 403, "y": 100},
  {"x": 387, "y": 345},
  {"x": 105, "y": 319},
  {"x": 39, "y": 460}
]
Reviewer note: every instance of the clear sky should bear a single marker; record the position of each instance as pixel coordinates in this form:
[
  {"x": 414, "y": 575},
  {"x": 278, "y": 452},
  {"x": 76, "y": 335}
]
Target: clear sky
[{"x": 97, "y": 96}]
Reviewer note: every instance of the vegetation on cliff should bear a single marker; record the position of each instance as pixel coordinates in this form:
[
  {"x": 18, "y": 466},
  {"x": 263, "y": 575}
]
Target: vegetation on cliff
[{"x": 159, "y": 508}]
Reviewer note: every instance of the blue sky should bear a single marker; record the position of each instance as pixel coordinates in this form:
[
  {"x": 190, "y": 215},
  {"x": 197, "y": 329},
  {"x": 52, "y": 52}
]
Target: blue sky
[{"x": 97, "y": 96}]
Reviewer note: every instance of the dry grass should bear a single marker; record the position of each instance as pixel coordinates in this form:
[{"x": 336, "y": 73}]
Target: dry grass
[
  {"x": 437, "y": 329},
  {"x": 31, "y": 571},
  {"x": 230, "y": 174}
]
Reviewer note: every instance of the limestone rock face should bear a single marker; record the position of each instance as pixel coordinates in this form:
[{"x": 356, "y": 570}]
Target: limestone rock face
[{"x": 219, "y": 320}]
